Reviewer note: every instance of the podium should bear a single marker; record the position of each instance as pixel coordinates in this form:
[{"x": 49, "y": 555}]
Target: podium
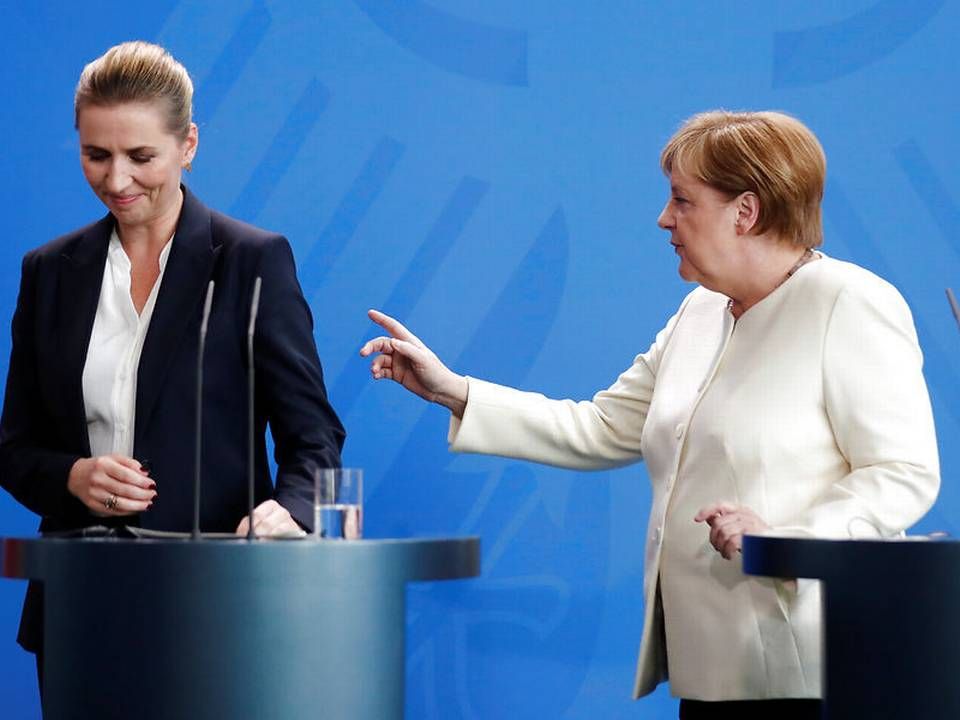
[
  {"x": 891, "y": 621},
  {"x": 219, "y": 629}
]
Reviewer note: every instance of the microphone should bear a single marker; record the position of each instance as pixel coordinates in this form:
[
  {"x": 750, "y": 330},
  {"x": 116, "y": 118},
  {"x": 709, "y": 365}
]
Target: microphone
[
  {"x": 207, "y": 303},
  {"x": 953, "y": 305},
  {"x": 254, "y": 306}
]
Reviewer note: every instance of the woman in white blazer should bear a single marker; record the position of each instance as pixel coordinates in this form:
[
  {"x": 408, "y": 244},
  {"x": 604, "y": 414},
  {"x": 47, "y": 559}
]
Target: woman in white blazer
[{"x": 784, "y": 396}]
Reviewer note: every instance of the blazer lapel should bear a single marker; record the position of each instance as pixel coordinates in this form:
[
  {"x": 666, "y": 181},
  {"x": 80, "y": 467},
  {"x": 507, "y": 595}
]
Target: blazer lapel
[
  {"x": 81, "y": 275},
  {"x": 179, "y": 303}
]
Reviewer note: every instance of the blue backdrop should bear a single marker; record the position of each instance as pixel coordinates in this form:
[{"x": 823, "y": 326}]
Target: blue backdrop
[{"x": 487, "y": 171}]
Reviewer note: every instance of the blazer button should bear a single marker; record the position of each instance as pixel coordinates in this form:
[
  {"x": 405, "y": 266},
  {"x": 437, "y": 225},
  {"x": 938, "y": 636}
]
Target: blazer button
[{"x": 680, "y": 430}]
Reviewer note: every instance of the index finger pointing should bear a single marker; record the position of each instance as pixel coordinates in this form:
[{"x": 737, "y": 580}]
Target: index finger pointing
[{"x": 393, "y": 326}]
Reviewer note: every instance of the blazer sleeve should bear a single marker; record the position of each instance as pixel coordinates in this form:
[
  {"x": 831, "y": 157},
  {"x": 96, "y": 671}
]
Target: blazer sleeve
[
  {"x": 306, "y": 431},
  {"x": 588, "y": 435},
  {"x": 33, "y": 473},
  {"x": 878, "y": 406}
]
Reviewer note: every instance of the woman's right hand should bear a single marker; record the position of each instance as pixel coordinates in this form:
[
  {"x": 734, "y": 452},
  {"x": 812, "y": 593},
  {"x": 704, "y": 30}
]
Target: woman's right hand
[
  {"x": 112, "y": 485},
  {"x": 403, "y": 358}
]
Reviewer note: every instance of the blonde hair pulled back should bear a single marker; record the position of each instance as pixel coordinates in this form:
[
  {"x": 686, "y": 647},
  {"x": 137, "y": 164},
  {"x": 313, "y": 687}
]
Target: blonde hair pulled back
[{"x": 138, "y": 72}]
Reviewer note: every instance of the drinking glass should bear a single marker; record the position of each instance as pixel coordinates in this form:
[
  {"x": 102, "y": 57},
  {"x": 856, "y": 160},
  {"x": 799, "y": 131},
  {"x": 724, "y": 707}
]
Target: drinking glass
[{"x": 338, "y": 503}]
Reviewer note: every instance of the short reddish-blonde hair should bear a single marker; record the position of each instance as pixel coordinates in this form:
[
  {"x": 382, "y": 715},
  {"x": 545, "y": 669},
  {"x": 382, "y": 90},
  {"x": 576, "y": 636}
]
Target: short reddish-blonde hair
[{"x": 771, "y": 154}]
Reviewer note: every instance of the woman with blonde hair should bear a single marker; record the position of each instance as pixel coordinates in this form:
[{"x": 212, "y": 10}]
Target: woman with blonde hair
[
  {"x": 784, "y": 396},
  {"x": 98, "y": 417}
]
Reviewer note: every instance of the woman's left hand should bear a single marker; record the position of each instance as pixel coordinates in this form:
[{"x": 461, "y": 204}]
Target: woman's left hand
[
  {"x": 271, "y": 519},
  {"x": 728, "y": 524}
]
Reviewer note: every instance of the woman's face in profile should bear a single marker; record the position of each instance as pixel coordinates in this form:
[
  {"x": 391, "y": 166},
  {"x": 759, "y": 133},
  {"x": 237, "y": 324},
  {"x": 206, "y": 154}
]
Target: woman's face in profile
[
  {"x": 132, "y": 162},
  {"x": 702, "y": 226}
]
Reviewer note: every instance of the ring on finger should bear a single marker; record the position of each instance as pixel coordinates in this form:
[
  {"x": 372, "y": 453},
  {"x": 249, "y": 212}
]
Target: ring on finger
[{"x": 111, "y": 502}]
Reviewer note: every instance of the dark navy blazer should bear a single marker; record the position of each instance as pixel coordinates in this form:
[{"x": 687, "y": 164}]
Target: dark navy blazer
[{"x": 44, "y": 431}]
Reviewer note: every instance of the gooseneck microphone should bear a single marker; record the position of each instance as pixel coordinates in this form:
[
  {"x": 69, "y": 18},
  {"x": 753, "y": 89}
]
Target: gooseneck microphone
[
  {"x": 207, "y": 303},
  {"x": 254, "y": 306}
]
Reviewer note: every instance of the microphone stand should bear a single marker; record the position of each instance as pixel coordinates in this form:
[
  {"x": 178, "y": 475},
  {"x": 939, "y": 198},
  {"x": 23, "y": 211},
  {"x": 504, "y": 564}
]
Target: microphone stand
[
  {"x": 207, "y": 303},
  {"x": 254, "y": 306}
]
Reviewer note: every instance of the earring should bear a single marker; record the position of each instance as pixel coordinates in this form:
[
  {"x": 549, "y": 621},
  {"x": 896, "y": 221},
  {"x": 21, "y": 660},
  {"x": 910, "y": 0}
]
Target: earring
[{"x": 189, "y": 166}]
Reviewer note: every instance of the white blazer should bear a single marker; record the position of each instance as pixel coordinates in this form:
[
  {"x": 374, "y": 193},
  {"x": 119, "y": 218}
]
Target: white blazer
[{"x": 811, "y": 409}]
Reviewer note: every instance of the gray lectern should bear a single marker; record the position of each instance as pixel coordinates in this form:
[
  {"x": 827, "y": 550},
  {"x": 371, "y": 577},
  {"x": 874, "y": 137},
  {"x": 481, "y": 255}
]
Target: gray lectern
[
  {"x": 228, "y": 629},
  {"x": 891, "y": 621}
]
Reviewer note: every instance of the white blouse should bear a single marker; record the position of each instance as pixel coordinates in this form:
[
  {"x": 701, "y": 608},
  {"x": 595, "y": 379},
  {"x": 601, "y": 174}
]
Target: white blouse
[{"x": 113, "y": 355}]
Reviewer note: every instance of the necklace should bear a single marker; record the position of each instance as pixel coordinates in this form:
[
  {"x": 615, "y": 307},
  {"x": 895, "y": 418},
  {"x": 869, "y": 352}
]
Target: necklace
[
  {"x": 807, "y": 256},
  {"x": 804, "y": 259}
]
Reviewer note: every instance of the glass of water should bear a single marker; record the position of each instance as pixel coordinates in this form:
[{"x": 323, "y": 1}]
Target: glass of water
[{"x": 338, "y": 503}]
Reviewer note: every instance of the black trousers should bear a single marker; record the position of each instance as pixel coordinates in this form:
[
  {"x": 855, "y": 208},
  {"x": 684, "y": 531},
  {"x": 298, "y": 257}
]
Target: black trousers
[{"x": 751, "y": 710}]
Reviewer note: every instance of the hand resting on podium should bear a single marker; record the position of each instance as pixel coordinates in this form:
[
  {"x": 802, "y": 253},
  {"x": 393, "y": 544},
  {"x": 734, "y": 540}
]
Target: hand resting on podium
[{"x": 271, "y": 519}]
